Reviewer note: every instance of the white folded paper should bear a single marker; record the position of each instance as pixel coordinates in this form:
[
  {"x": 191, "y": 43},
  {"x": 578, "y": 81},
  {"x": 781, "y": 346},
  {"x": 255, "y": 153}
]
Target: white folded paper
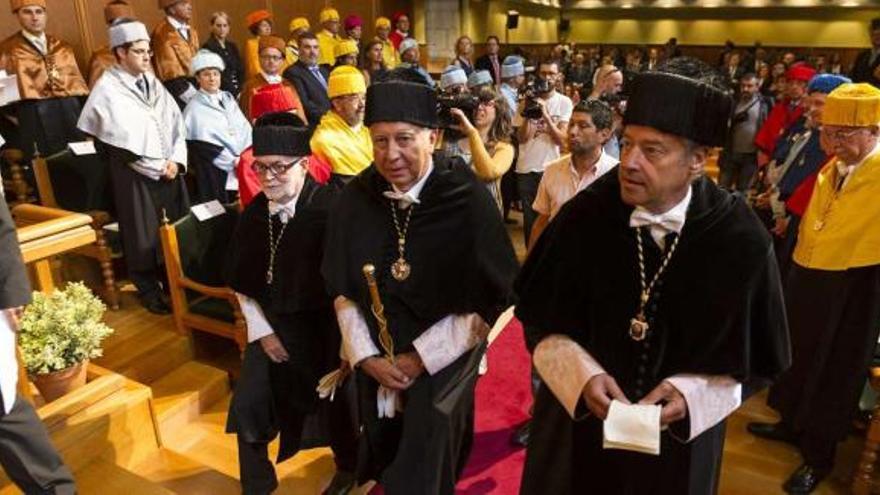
[
  {"x": 388, "y": 402},
  {"x": 8, "y": 89},
  {"x": 207, "y": 211},
  {"x": 632, "y": 427}
]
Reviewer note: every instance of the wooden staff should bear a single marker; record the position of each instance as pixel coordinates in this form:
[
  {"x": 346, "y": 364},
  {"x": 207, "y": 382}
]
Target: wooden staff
[{"x": 385, "y": 339}]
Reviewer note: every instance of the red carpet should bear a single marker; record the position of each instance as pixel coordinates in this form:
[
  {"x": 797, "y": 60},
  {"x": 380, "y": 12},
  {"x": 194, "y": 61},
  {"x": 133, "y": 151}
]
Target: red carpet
[{"x": 502, "y": 401}]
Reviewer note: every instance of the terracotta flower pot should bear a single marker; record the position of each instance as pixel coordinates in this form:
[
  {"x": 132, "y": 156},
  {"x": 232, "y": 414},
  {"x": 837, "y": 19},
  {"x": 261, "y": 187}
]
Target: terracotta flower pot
[{"x": 58, "y": 383}]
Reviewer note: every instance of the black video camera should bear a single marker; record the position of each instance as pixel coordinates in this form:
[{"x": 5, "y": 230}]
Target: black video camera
[
  {"x": 532, "y": 90},
  {"x": 465, "y": 102}
]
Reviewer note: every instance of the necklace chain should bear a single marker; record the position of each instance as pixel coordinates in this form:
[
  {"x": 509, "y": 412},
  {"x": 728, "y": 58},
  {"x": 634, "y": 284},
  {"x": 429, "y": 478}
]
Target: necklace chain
[
  {"x": 646, "y": 290},
  {"x": 401, "y": 233},
  {"x": 273, "y": 247}
]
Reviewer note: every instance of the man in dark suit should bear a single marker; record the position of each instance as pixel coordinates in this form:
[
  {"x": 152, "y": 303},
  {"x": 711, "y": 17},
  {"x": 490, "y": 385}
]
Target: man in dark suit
[
  {"x": 310, "y": 79},
  {"x": 26, "y": 453},
  {"x": 868, "y": 61},
  {"x": 491, "y": 61}
]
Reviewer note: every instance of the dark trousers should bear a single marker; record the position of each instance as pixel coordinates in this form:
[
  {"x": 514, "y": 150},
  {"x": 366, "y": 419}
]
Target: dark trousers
[
  {"x": 527, "y": 186},
  {"x": 737, "y": 170},
  {"x": 257, "y": 472},
  {"x": 27, "y": 454}
]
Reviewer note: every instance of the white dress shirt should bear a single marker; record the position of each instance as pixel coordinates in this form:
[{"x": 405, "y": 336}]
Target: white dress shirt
[
  {"x": 182, "y": 29},
  {"x": 662, "y": 224},
  {"x": 38, "y": 41}
]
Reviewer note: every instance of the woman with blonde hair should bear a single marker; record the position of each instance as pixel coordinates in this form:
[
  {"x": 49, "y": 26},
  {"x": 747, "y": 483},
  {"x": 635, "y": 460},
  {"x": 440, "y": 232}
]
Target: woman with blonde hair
[
  {"x": 486, "y": 145},
  {"x": 464, "y": 48}
]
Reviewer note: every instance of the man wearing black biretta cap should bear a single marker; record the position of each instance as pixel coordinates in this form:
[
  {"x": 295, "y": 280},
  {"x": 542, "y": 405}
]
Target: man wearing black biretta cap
[
  {"x": 652, "y": 306},
  {"x": 444, "y": 268},
  {"x": 273, "y": 265}
]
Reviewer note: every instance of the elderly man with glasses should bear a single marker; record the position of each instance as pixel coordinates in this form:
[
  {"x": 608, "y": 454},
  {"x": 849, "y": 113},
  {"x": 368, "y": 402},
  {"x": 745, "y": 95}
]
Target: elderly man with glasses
[
  {"x": 274, "y": 268},
  {"x": 833, "y": 290}
]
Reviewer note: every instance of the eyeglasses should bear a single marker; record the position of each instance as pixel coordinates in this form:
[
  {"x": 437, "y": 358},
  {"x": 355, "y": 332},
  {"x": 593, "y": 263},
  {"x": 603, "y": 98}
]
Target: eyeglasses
[
  {"x": 272, "y": 58},
  {"x": 358, "y": 97},
  {"x": 277, "y": 168},
  {"x": 841, "y": 134},
  {"x": 487, "y": 103}
]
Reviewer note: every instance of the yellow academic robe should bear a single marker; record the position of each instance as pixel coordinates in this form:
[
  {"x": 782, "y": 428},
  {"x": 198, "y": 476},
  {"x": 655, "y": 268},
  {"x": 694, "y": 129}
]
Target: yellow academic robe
[
  {"x": 389, "y": 54},
  {"x": 326, "y": 43},
  {"x": 840, "y": 229},
  {"x": 347, "y": 151}
]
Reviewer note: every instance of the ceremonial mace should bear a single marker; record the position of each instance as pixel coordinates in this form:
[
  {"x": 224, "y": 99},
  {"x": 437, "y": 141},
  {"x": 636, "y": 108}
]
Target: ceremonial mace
[{"x": 385, "y": 339}]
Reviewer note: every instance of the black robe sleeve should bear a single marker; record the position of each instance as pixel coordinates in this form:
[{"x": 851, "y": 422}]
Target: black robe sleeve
[{"x": 15, "y": 288}]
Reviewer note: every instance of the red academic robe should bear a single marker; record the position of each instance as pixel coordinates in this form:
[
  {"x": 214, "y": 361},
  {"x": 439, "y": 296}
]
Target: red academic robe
[{"x": 780, "y": 118}]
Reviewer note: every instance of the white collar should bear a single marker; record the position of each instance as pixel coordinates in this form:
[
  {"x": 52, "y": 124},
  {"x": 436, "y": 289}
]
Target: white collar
[
  {"x": 670, "y": 221},
  {"x": 129, "y": 78},
  {"x": 286, "y": 211},
  {"x": 177, "y": 24},
  {"x": 39, "y": 41},
  {"x": 412, "y": 196},
  {"x": 271, "y": 79},
  {"x": 846, "y": 171}
]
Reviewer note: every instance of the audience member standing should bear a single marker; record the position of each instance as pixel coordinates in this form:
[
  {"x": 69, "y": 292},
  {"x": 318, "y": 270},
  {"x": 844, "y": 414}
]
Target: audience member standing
[
  {"x": 328, "y": 36},
  {"x": 175, "y": 43},
  {"x": 310, "y": 79},
  {"x": 867, "y": 65},
  {"x": 739, "y": 160},
  {"x": 219, "y": 43},
  {"x": 139, "y": 131},
  {"x": 271, "y": 64},
  {"x": 102, "y": 58},
  {"x": 259, "y": 24},
  {"x": 540, "y": 140},
  {"x": 491, "y": 60}
]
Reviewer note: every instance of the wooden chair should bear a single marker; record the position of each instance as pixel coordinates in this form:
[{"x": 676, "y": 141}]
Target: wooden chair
[
  {"x": 82, "y": 184},
  {"x": 863, "y": 481},
  {"x": 195, "y": 253},
  {"x": 14, "y": 180}
]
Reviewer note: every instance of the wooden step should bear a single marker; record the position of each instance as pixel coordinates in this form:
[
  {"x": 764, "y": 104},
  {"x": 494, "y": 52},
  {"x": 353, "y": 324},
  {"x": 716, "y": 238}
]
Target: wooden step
[
  {"x": 181, "y": 474},
  {"x": 100, "y": 477},
  {"x": 180, "y": 396},
  {"x": 148, "y": 356}
]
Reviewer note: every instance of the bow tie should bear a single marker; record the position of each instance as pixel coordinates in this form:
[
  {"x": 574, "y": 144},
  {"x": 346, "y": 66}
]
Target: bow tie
[
  {"x": 661, "y": 225},
  {"x": 404, "y": 200},
  {"x": 284, "y": 212}
]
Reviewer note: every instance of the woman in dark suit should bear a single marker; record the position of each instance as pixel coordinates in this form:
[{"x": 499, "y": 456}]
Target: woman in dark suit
[{"x": 218, "y": 42}]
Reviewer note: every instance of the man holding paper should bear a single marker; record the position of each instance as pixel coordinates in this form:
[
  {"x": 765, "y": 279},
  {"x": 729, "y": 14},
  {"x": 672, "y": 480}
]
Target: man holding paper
[
  {"x": 646, "y": 324},
  {"x": 140, "y": 132}
]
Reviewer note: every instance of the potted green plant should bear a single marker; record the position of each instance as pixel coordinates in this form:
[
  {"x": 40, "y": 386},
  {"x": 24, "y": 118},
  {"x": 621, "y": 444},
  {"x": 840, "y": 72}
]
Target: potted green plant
[{"x": 58, "y": 335}]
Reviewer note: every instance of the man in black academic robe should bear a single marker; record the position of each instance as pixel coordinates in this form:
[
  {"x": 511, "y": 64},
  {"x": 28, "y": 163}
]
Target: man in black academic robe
[
  {"x": 138, "y": 129},
  {"x": 292, "y": 332},
  {"x": 453, "y": 267},
  {"x": 714, "y": 313}
]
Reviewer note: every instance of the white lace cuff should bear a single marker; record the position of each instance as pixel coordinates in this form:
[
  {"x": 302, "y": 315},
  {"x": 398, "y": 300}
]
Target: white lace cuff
[
  {"x": 448, "y": 339},
  {"x": 257, "y": 325},
  {"x": 565, "y": 367},
  {"x": 709, "y": 398},
  {"x": 357, "y": 344}
]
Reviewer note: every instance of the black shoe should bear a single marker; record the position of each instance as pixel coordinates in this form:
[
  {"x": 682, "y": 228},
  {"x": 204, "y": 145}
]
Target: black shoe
[
  {"x": 772, "y": 431},
  {"x": 520, "y": 437},
  {"x": 156, "y": 305},
  {"x": 804, "y": 480},
  {"x": 342, "y": 483}
]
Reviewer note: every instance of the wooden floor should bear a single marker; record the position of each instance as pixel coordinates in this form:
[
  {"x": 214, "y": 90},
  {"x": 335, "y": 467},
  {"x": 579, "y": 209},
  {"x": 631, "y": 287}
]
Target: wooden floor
[{"x": 190, "y": 386}]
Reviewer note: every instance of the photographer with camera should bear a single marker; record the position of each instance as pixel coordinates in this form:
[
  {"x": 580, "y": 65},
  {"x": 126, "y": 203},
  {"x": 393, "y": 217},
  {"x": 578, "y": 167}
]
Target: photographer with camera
[
  {"x": 481, "y": 138},
  {"x": 541, "y": 135}
]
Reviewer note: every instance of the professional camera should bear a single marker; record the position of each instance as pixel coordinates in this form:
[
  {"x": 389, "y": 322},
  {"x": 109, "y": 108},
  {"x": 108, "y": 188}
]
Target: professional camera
[
  {"x": 531, "y": 91},
  {"x": 463, "y": 101}
]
